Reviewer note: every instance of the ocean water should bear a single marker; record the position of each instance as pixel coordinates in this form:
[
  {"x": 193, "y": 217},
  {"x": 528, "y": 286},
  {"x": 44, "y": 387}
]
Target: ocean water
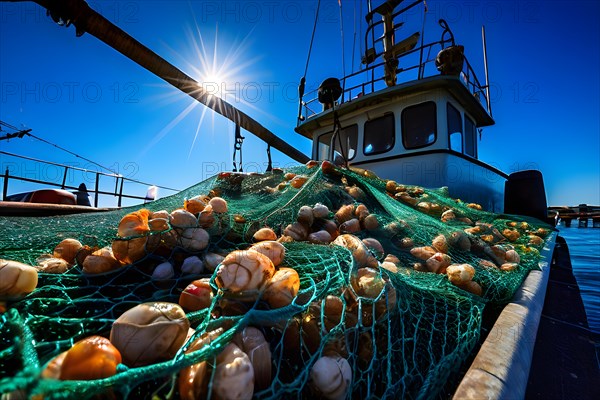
[{"x": 584, "y": 246}]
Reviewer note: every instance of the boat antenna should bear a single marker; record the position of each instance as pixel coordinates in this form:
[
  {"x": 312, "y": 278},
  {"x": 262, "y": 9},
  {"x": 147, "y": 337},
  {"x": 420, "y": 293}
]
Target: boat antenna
[
  {"x": 369, "y": 18},
  {"x": 302, "y": 84},
  {"x": 343, "y": 52},
  {"x": 485, "y": 66},
  {"x": 353, "y": 39},
  {"x": 421, "y": 66}
]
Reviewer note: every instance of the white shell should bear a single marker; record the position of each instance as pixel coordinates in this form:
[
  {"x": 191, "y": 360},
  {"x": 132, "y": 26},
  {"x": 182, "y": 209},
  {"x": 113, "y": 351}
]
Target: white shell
[
  {"x": 331, "y": 376},
  {"x": 149, "y": 332},
  {"x": 234, "y": 375},
  {"x": 350, "y": 226},
  {"x": 264, "y": 234},
  {"x": 67, "y": 250},
  {"x": 282, "y": 288},
  {"x": 194, "y": 239},
  {"x": 360, "y": 253},
  {"x": 244, "y": 270},
  {"x": 53, "y": 265},
  {"x": 448, "y": 215},
  {"x": 371, "y": 222},
  {"x": 512, "y": 257},
  {"x": 192, "y": 265},
  {"x": 438, "y": 262},
  {"x": 320, "y": 237},
  {"x": 305, "y": 215},
  {"x": 212, "y": 261},
  {"x": 17, "y": 279},
  {"x": 163, "y": 271},
  {"x": 440, "y": 244},
  {"x": 460, "y": 274},
  {"x": 183, "y": 219},
  {"x": 158, "y": 224},
  {"x": 274, "y": 250},
  {"x": 296, "y": 231},
  {"x": 164, "y": 214},
  {"x": 252, "y": 341},
  {"x": 368, "y": 283},
  {"x": 218, "y": 204},
  {"x": 320, "y": 211}
]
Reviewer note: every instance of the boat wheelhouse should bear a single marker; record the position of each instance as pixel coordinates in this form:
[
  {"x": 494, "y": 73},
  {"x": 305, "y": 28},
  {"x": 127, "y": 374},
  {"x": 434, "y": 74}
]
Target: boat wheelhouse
[{"x": 420, "y": 131}]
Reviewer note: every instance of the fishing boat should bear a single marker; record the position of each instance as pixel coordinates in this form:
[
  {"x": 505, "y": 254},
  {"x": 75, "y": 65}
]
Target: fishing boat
[{"x": 421, "y": 131}]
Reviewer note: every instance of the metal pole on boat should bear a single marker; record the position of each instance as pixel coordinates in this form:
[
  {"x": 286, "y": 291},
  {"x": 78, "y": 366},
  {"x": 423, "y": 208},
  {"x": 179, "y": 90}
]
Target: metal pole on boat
[
  {"x": 5, "y": 186},
  {"x": 96, "y": 189},
  {"x": 485, "y": 66},
  {"x": 370, "y": 21},
  {"x": 64, "y": 181}
]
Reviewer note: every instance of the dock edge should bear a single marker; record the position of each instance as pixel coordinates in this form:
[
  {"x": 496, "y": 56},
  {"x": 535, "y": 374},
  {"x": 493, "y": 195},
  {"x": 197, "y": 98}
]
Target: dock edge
[{"x": 501, "y": 368}]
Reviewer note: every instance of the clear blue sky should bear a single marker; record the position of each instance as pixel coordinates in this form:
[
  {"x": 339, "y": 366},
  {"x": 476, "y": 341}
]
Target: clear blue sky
[{"x": 86, "y": 97}]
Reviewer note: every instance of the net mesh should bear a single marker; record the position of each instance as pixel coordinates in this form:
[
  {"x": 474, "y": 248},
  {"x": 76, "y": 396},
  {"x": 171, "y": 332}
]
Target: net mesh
[{"x": 408, "y": 341}]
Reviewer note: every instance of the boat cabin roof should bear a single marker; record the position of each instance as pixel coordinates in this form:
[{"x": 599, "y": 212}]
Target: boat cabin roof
[{"x": 394, "y": 94}]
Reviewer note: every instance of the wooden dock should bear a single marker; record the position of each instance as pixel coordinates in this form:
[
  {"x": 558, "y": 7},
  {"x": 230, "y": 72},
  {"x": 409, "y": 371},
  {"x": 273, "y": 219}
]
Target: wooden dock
[{"x": 583, "y": 214}]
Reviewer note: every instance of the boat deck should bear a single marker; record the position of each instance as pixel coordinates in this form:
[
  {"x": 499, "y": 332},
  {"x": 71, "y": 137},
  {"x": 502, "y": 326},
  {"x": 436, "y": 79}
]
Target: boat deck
[{"x": 18, "y": 209}]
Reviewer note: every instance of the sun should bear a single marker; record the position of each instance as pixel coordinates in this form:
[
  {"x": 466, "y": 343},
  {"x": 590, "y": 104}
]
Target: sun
[
  {"x": 213, "y": 83},
  {"x": 220, "y": 68}
]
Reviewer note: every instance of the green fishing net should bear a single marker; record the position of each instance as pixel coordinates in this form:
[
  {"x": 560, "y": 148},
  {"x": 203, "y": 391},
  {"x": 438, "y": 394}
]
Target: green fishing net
[{"x": 405, "y": 342}]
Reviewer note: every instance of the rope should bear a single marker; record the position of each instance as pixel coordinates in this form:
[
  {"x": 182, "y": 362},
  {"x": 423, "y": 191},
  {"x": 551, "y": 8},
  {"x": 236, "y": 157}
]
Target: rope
[
  {"x": 9, "y": 126},
  {"x": 302, "y": 84},
  {"x": 337, "y": 135},
  {"x": 239, "y": 141},
  {"x": 312, "y": 38},
  {"x": 270, "y": 165},
  {"x": 74, "y": 154}
]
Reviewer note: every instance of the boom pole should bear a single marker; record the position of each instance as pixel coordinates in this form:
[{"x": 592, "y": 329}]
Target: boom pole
[{"x": 85, "y": 19}]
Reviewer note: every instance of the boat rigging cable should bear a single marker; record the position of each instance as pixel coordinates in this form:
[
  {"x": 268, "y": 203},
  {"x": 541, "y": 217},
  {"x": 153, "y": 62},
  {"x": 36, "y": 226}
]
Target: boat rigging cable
[
  {"x": 303, "y": 79},
  {"x": 343, "y": 53},
  {"x": 353, "y": 38},
  {"x": 422, "y": 69},
  {"x": 19, "y": 132},
  {"x": 27, "y": 132}
]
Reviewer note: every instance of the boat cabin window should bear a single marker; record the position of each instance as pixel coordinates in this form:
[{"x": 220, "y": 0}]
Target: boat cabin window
[
  {"x": 379, "y": 135},
  {"x": 323, "y": 146},
  {"x": 419, "y": 125},
  {"x": 454, "y": 128},
  {"x": 348, "y": 138},
  {"x": 470, "y": 138}
]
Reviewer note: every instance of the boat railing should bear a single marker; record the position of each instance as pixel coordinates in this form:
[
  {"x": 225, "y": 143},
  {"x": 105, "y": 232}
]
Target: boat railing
[
  {"x": 376, "y": 81},
  {"x": 119, "y": 181},
  {"x": 413, "y": 65}
]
